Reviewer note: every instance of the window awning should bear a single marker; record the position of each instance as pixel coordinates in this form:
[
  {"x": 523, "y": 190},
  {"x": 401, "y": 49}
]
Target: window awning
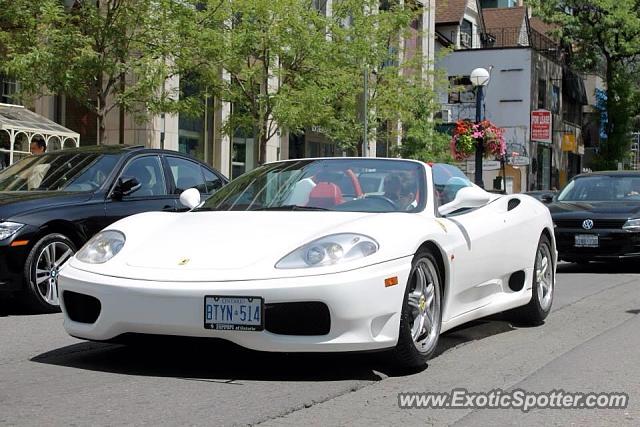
[{"x": 19, "y": 126}]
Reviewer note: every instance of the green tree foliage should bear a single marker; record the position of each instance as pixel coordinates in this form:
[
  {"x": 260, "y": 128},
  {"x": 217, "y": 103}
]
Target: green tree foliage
[
  {"x": 266, "y": 57},
  {"x": 283, "y": 64},
  {"x": 602, "y": 33},
  {"x": 104, "y": 54},
  {"x": 375, "y": 42},
  {"x": 288, "y": 66}
]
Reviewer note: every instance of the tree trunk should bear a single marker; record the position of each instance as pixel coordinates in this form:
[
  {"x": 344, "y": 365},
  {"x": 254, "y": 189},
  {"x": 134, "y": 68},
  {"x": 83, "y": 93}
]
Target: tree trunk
[
  {"x": 121, "y": 111},
  {"x": 101, "y": 114},
  {"x": 100, "y": 109},
  {"x": 263, "y": 138},
  {"x": 101, "y": 127}
]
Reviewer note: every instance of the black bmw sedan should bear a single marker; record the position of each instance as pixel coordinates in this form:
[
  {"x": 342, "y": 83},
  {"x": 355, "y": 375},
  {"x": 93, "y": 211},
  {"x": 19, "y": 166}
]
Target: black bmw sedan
[
  {"x": 51, "y": 204},
  {"x": 597, "y": 217}
]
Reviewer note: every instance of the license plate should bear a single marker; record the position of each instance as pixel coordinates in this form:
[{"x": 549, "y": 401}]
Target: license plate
[
  {"x": 586, "y": 241},
  {"x": 227, "y": 313}
]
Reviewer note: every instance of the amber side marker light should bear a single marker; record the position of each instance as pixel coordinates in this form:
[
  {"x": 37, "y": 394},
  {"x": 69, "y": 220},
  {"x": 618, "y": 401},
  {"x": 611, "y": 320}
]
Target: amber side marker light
[
  {"x": 20, "y": 243},
  {"x": 391, "y": 281}
]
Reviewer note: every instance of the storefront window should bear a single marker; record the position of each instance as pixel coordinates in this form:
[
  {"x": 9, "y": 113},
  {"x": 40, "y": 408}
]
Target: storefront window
[
  {"x": 192, "y": 131},
  {"x": 243, "y": 156},
  {"x": 321, "y": 149}
]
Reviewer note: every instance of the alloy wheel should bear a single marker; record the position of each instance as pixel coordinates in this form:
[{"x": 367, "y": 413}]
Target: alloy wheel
[
  {"x": 544, "y": 276},
  {"x": 48, "y": 263},
  {"x": 425, "y": 310}
]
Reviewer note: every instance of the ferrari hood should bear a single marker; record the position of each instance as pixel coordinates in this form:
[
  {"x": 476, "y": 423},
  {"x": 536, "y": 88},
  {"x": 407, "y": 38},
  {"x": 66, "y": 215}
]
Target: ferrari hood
[
  {"x": 222, "y": 246},
  {"x": 227, "y": 241}
]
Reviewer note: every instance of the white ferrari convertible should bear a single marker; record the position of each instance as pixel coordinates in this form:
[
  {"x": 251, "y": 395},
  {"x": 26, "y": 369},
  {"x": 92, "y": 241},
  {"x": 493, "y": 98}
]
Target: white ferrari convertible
[{"x": 336, "y": 254}]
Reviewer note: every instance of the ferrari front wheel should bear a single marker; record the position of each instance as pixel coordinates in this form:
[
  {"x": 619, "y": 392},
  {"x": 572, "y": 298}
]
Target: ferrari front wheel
[{"x": 421, "y": 317}]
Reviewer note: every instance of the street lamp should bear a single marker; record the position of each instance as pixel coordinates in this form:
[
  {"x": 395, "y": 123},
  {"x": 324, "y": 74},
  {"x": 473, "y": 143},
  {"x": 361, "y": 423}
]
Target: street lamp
[{"x": 479, "y": 78}]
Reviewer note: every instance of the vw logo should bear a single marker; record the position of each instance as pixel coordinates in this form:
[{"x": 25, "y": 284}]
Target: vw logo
[{"x": 587, "y": 224}]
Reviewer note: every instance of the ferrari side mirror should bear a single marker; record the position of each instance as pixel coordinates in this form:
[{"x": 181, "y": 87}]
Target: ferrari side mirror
[
  {"x": 190, "y": 198},
  {"x": 466, "y": 197}
]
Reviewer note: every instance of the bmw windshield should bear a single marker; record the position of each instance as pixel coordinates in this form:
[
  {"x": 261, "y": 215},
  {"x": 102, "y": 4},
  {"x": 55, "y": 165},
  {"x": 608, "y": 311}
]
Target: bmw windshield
[
  {"x": 347, "y": 185},
  {"x": 71, "y": 171}
]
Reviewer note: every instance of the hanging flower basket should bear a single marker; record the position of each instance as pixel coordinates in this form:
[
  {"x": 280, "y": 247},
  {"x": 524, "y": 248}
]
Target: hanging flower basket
[{"x": 467, "y": 134}]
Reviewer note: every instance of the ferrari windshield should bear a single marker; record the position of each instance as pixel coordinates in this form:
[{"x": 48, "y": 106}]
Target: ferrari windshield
[
  {"x": 70, "y": 171},
  {"x": 351, "y": 185},
  {"x": 602, "y": 188}
]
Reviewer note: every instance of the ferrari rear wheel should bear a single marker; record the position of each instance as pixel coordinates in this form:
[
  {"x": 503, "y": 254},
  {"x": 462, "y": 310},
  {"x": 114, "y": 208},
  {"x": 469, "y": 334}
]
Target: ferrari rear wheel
[
  {"x": 421, "y": 317},
  {"x": 539, "y": 307}
]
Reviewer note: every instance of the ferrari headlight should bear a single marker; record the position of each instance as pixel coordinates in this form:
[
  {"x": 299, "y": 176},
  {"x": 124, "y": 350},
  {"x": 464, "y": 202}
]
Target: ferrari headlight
[
  {"x": 334, "y": 249},
  {"x": 8, "y": 229},
  {"x": 102, "y": 247},
  {"x": 632, "y": 225}
]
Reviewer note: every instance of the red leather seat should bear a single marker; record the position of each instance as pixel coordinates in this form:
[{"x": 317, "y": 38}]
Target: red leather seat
[{"x": 325, "y": 195}]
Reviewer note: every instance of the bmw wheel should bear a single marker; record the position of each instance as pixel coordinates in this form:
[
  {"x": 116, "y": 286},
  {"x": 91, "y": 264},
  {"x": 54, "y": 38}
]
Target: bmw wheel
[
  {"x": 421, "y": 317},
  {"x": 543, "y": 284},
  {"x": 41, "y": 271}
]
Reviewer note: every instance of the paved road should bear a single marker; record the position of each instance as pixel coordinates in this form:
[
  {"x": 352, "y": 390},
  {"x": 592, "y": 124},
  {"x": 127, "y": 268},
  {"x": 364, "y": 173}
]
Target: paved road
[{"x": 591, "y": 342}]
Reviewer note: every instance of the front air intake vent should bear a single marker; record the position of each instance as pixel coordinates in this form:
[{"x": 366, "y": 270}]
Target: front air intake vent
[
  {"x": 297, "y": 318},
  {"x": 513, "y": 203},
  {"x": 80, "y": 307}
]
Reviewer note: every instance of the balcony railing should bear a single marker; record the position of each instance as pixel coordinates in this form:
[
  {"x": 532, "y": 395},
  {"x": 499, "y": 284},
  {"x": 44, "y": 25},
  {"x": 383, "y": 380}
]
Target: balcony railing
[{"x": 510, "y": 37}]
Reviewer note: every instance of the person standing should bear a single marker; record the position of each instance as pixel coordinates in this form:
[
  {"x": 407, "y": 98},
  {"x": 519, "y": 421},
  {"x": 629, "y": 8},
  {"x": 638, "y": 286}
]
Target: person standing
[
  {"x": 38, "y": 171},
  {"x": 37, "y": 146}
]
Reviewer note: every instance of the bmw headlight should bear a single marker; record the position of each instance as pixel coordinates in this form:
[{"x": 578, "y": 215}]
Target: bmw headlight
[
  {"x": 632, "y": 225},
  {"x": 102, "y": 247},
  {"x": 8, "y": 229},
  {"x": 329, "y": 250}
]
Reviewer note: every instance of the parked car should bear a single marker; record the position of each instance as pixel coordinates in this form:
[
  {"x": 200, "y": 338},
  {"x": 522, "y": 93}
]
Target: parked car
[
  {"x": 51, "y": 204},
  {"x": 597, "y": 217},
  {"x": 299, "y": 256},
  {"x": 545, "y": 196}
]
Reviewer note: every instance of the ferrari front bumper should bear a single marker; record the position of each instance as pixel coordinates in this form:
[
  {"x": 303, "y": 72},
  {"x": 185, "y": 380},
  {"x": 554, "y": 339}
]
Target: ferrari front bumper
[{"x": 364, "y": 313}]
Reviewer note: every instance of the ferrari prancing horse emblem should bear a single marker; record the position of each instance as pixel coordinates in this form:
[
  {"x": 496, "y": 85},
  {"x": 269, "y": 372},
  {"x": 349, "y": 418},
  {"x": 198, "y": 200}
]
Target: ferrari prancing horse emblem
[{"x": 184, "y": 261}]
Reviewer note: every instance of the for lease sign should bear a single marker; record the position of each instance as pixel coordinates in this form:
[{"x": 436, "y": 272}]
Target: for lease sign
[{"x": 541, "y": 126}]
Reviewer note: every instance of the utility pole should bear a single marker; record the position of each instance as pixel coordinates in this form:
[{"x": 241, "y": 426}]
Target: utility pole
[{"x": 365, "y": 114}]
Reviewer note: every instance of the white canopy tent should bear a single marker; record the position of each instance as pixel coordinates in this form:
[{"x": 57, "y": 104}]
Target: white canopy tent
[{"x": 18, "y": 127}]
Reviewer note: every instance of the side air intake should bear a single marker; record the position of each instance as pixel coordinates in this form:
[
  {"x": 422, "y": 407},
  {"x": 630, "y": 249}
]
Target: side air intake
[{"x": 516, "y": 281}]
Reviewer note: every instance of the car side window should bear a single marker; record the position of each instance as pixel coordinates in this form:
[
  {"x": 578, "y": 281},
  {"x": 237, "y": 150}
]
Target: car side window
[
  {"x": 448, "y": 180},
  {"x": 212, "y": 180},
  {"x": 185, "y": 175},
  {"x": 148, "y": 171}
]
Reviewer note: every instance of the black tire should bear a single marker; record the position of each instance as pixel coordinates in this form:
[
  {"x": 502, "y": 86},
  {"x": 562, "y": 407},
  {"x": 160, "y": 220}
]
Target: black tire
[
  {"x": 411, "y": 352},
  {"x": 36, "y": 290},
  {"x": 538, "y": 308}
]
